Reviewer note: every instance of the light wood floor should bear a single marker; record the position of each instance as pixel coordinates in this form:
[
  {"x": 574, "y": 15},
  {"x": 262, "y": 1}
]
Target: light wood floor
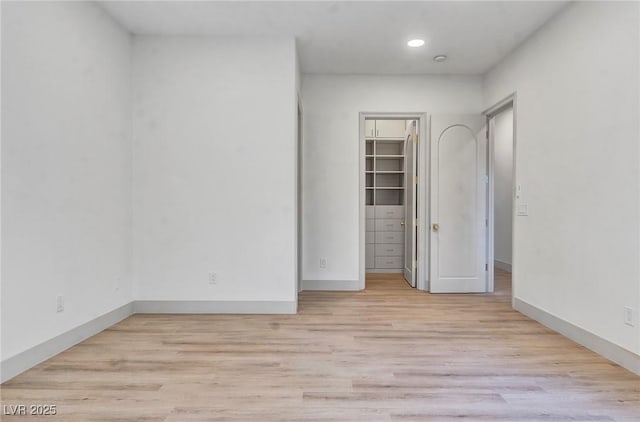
[{"x": 387, "y": 353}]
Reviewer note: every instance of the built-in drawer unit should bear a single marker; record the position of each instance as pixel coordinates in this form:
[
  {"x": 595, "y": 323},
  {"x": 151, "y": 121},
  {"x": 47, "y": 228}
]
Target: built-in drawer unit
[
  {"x": 389, "y": 262},
  {"x": 389, "y": 237},
  {"x": 370, "y": 225},
  {"x": 370, "y": 212},
  {"x": 370, "y": 237},
  {"x": 389, "y": 211},
  {"x": 389, "y": 249},
  {"x": 388, "y": 225},
  {"x": 370, "y": 253}
]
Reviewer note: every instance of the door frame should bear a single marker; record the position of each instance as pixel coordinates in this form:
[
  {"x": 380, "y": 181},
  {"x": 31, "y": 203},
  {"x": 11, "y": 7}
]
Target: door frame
[
  {"x": 509, "y": 101},
  {"x": 299, "y": 195},
  {"x": 422, "y": 240}
]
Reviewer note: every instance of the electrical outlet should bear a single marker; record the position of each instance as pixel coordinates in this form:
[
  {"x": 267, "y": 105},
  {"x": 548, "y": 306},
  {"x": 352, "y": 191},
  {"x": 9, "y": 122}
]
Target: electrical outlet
[
  {"x": 628, "y": 316},
  {"x": 118, "y": 282},
  {"x": 213, "y": 278},
  {"x": 323, "y": 262},
  {"x": 60, "y": 304}
]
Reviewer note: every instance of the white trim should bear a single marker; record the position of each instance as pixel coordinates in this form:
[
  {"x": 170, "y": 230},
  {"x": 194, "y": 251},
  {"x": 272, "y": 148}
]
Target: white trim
[
  {"x": 214, "y": 307},
  {"x": 422, "y": 240},
  {"x": 29, "y": 358},
  {"x": 332, "y": 285},
  {"x": 500, "y": 106},
  {"x": 509, "y": 101},
  {"x": 299, "y": 193},
  {"x": 490, "y": 212},
  {"x": 505, "y": 266},
  {"x": 362, "y": 144},
  {"x": 605, "y": 348}
]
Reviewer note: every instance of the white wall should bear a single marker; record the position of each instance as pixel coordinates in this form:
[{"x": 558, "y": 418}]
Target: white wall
[
  {"x": 214, "y": 166},
  {"x": 66, "y": 169},
  {"x": 331, "y": 155},
  {"x": 576, "y": 254},
  {"x": 503, "y": 185}
]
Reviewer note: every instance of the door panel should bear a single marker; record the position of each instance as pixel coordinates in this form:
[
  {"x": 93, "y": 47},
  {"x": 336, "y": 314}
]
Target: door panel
[
  {"x": 458, "y": 204},
  {"x": 390, "y": 128},
  {"x": 410, "y": 159},
  {"x": 369, "y": 128}
]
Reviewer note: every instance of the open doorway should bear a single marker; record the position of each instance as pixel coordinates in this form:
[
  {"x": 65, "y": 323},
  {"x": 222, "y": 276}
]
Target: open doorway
[
  {"x": 503, "y": 188},
  {"x": 503, "y": 192},
  {"x": 389, "y": 195}
]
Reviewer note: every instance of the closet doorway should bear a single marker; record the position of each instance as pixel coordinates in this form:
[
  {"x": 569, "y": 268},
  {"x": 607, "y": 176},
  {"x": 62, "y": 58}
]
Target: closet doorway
[
  {"x": 506, "y": 202},
  {"x": 389, "y": 198}
]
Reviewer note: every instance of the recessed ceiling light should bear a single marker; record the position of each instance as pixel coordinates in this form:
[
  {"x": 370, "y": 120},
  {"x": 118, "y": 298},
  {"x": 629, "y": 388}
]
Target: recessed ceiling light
[
  {"x": 415, "y": 43},
  {"x": 439, "y": 58}
]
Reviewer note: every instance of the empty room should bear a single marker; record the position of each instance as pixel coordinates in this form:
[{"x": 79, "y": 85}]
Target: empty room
[{"x": 320, "y": 210}]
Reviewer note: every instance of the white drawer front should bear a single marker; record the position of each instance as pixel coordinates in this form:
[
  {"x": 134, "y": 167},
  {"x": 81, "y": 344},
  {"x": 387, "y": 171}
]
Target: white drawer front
[
  {"x": 394, "y": 262},
  {"x": 390, "y": 211},
  {"x": 370, "y": 237},
  {"x": 370, "y": 225},
  {"x": 370, "y": 256},
  {"x": 388, "y": 225},
  {"x": 389, "y": 249},
  {"x": 370, "y": 211},
  {"x": 390, "y": 237}
]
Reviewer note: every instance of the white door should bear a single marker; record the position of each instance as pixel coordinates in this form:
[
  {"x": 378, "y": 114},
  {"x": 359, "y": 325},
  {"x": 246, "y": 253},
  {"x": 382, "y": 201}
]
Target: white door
[
  {"x": 410, "y": 151},
  {"x": 458, "y": 229}
]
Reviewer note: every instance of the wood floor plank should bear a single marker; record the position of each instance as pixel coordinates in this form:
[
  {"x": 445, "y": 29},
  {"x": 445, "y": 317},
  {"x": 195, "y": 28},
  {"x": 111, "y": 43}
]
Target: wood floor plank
[{"x": 388, "y": 353}]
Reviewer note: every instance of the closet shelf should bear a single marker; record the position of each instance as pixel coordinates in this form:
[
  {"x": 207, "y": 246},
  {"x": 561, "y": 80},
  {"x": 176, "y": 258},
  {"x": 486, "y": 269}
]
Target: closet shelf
[{"x": 385, "y": 162}]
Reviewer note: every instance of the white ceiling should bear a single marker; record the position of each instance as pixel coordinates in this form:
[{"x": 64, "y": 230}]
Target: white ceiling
[{"x": 367, "y": 37}]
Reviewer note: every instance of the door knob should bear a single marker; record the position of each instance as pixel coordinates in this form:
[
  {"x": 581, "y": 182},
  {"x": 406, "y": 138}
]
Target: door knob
[
  {"x": 436, "y": 227},
  {"x": 402, "y": 223}
]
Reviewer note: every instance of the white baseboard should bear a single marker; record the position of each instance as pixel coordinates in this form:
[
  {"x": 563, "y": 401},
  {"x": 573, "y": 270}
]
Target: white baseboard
[
  {"x": 502, "y": 265},
  {"x": 603, "y": 347},
  {"x": 31, "y": 357},
  {"x": 336, "y": 285},
  {"x": 214, "y": 307}
]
